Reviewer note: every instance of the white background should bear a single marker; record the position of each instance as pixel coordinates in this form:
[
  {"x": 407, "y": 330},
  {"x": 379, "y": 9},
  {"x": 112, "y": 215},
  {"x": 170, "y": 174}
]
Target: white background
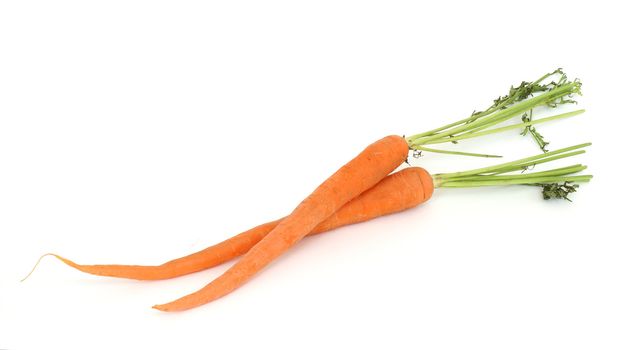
[{"x": 136, "y": 132}]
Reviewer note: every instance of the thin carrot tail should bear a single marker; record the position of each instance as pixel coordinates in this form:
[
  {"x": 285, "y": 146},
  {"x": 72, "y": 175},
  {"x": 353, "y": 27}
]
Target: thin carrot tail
[
  {"x": 137, "y": 272},
  {"x": 66, "y": 261},
  {"x": 198, "y": 261}
]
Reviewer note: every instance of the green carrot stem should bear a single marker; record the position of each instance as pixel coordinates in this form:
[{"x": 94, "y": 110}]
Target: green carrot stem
[
  {"x": 526, "y": 165},
  {"x": 521, "y": 162},
  {"x": 473, "y": 133},
  {"x": 472, "y": 118},
  {"x": 522, "y": 92},
  {"x": 554, "y": 172},
  {"x": 522, "y": 181},
  {"x": 502, "y": 115},
  {"x": 420, "y": 148}
]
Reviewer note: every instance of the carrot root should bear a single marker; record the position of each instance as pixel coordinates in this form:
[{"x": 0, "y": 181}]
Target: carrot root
[
  {"x": 364, "y": 171},
  {"x": 399, "y": 191}
]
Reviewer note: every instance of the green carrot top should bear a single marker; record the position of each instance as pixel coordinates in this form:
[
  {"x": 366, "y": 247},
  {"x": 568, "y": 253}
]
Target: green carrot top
[{"x": 520, "y": 101}]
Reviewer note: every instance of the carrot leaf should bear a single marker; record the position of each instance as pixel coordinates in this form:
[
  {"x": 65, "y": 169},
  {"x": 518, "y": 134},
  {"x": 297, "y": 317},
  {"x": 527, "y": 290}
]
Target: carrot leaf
[{"x": 558, "y": 191}]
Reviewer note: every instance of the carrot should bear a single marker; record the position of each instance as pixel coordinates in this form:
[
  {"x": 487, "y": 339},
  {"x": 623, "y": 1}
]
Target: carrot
[
  {"x": 373, "y": 165},
  {"x": 288, "y": 231},
  {"x": 399, "y": 191},
  {"x": 361, "y": 173}
]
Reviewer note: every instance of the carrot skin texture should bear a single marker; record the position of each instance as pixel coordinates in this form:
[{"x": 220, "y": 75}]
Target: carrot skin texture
[
  {"x": 361, "y": 173},
  {"x": 399, "y": 191}
]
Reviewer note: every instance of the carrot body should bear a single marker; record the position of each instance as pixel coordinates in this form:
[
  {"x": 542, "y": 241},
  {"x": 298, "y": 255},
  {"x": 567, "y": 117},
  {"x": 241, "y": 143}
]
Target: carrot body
[
  {"x": 399, "y": 191},
  {"x": 360, "y": 174}
]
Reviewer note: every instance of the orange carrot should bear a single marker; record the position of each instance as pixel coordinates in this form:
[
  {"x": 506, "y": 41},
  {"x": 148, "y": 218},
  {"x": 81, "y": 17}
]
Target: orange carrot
[
  {"x": 401, "y": 190},
  {"x": 363, "y": 172},
  {"x": 349, "y": 195}
]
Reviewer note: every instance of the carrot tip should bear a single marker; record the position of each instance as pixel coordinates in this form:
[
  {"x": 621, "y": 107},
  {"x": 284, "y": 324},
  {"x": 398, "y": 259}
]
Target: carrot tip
[
  {"x": 160, "y": 307},
  {"x": 37, "y": 263}
]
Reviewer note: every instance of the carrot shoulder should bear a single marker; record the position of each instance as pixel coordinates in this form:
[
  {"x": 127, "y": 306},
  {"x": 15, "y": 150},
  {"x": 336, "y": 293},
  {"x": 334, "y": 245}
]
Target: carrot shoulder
[{"x": 361, "y": 173}]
